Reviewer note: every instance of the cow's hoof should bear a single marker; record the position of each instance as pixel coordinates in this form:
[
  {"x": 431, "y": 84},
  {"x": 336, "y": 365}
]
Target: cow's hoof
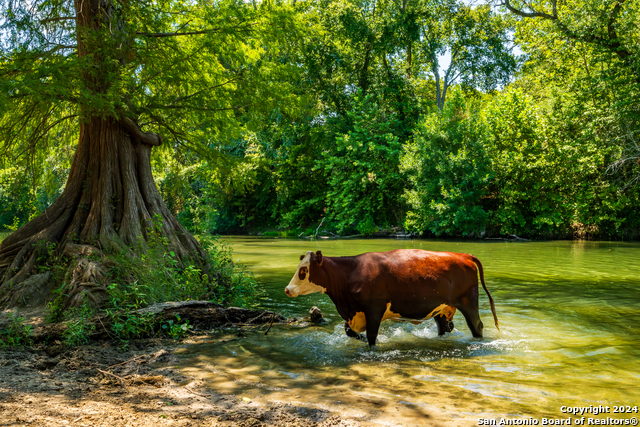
[{"x": 351, "y": 333}]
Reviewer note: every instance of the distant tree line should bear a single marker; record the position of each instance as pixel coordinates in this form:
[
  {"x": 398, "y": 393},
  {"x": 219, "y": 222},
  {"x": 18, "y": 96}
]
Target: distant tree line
[{"x": 438, "y": 117}]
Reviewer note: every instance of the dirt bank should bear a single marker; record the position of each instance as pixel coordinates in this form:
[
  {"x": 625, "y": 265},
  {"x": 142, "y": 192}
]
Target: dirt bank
[{"x": 102, "y": 385}]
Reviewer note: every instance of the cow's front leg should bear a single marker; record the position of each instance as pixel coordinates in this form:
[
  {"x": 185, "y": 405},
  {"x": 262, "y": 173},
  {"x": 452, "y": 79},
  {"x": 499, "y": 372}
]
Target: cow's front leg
[
  {"x": 374, "y": 316},
  {"x": 350, "y": 332}
]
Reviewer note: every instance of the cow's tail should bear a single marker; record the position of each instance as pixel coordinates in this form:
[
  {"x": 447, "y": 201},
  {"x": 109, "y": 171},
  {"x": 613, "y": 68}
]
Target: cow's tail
[{"x": 493, "y": 307}]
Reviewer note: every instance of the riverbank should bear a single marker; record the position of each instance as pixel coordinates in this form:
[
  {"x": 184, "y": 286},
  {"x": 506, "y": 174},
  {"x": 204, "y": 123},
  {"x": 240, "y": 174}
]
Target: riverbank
[
  {"x": 136, "y": 382},
  {"x": 156, "y": 382},
  {"x": 101, "y": 385},
  {"x": 554, "y": 349}
]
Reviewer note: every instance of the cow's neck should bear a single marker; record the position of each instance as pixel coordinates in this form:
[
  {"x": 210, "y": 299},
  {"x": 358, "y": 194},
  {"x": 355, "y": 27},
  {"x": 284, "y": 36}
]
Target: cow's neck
[{"x": 337, "y": 271}]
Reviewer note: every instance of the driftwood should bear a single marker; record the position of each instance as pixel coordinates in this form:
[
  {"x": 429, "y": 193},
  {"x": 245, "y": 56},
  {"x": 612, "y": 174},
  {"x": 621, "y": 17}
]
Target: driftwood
[
  {"x": 511, "y": 238},
  {"x": 326, "y": 234},
  {"x": 202, "y": 315},
  {"x": 318, "y": 229}
]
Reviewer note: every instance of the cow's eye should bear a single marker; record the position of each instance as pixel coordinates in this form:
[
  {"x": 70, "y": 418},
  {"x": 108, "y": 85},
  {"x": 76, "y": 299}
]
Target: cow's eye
[{"x": 302, "y": 273}]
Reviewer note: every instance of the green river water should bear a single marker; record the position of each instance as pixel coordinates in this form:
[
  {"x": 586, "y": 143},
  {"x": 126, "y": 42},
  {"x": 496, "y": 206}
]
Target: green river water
[{"x": 569, "y": 314}]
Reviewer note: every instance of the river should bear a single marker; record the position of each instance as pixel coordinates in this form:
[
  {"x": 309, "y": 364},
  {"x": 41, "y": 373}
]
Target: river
[{"x": 570, "y": 336}]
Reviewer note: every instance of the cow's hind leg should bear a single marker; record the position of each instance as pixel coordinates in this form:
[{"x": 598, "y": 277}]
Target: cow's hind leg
[
  {"x": 472, "y": 316},
  {"x": 351, "y": 333},
  {"x": 444, "y": 325}
]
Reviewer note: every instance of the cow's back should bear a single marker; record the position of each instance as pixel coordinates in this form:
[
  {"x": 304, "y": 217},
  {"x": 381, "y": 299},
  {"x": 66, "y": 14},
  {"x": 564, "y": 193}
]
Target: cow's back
[{"x": 414, "y": 281}]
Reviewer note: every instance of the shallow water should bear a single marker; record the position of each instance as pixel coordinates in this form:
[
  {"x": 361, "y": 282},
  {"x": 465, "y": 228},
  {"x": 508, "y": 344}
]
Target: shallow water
[{"x": 569, "y": 314}]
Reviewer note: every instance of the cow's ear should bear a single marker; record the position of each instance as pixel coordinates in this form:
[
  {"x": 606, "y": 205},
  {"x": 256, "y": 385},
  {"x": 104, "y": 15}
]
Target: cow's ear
[
  {"x": 319, "y": 257},
  {"x": 301, "y": 257}
]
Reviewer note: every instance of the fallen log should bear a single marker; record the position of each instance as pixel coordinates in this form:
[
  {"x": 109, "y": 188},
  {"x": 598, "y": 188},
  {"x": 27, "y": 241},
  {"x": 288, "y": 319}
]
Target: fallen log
[{"x": 202, "y": 315}]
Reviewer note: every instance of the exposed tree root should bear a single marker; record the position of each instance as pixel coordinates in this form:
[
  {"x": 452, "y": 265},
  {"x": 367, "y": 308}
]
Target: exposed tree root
[
  {"x": 110, "y": 203},
  {"x": 87, "y": 283}
]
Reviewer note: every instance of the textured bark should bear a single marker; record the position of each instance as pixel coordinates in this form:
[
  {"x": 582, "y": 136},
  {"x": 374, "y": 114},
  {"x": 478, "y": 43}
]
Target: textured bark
[{"x": 110, "y": 201}]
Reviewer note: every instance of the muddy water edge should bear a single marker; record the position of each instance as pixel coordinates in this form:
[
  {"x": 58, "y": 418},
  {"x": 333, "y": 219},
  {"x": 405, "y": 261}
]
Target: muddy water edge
[{"x": 569, "y": 314}]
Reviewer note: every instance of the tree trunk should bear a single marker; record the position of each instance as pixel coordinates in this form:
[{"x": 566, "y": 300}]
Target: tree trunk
[
  {"x": 436, "y": 76},
  {"x": 110, "y": 200}
]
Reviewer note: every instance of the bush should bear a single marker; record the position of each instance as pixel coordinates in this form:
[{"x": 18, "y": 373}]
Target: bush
[
  {"x": 159, "y": 278},
  {"x": 364, "y": 180},
  {"x": 448, "y": 168},
  {"x": 17, "y": 333},
  {"x": 78, "y": 328}
]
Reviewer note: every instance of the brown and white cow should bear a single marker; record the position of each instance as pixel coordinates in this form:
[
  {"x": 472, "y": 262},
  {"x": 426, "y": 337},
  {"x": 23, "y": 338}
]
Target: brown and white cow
[{"x": 404, "y": 284}]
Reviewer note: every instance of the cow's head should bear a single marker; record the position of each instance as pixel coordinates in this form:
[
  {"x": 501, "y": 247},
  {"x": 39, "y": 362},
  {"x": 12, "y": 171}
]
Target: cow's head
[{"x": 301, "y": 283}]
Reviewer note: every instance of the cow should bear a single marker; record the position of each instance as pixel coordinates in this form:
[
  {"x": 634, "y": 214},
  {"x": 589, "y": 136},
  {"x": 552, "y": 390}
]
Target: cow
[{"x": 403, "y": 284}]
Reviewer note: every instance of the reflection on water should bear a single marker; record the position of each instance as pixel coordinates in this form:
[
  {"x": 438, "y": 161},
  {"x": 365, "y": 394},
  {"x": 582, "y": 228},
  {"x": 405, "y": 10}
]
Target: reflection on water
[{"x": 570, "y": 318}]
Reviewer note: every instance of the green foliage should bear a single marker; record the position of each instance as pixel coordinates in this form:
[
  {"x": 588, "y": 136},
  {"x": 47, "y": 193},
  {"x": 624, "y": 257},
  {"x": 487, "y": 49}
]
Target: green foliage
[
  {"x": 159, "y": 277},
  {"x": 17, "y": 333},
  {"x": 448, "y": 169},
  {"x": 15, "y": 199},
  {"x": 175, "y": 329},
  {"x": 529, "y": 183},
  {"x": 364, "y": 183},
  {"x": 583, "y": 73},
  {"x": 155, "y": 277},
  {"x": 55, "y": 308},
  {"x": 234, "y": 286},
  {"x": 128, "y": 325},
  {"x": 78, "y": 327},
  {"x": 290, "y": 113}
]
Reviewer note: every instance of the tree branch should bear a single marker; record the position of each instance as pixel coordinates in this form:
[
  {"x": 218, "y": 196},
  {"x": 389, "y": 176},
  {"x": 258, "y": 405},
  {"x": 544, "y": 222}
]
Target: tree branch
[
  {"x": 613, "y": 35},
  {"x": 178, "y": 107},
  {"x": 183, "y": 98},
  {"x": 192, "y": 33},
  {"x": 37, "y": 135},
  {"x": 188, "y": 33},
  {"x": 533, "y": 14},
  {"x": 60, "y": 18},
  {"x": 148, "y": 138},
  {"x": 611, "y": 43}
]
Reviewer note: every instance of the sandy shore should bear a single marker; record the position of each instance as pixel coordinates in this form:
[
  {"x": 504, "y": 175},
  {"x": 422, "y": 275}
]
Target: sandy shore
[{"x": 100, "y": 385}]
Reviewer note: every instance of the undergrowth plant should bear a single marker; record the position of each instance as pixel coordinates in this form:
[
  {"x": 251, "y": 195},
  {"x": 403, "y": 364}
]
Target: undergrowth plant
[
  {"x": 133, "y": 282},
  {"x": 176, "y": 329},
  {"x": 78, "y": 326},
  {"x": 16, "y": 333},
  {"x": 158, "y": 277}
]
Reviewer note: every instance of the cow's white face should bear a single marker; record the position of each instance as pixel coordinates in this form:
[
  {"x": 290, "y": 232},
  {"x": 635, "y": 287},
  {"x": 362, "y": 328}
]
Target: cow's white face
[{"x": 300, "y": 283}]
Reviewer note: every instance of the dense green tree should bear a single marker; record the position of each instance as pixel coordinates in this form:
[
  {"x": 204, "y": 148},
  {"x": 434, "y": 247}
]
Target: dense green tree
[
  {"x": 610, "y": 26},
  {"x": 129, "y": 75},
  {"x": 581, "y": 70},
  {"x": 363, "y": 178},
  {"x": 321, "y": 109},
  {"x": 584, "y": 55},
  {"x": 449, "y": 169},
  {"x": 476, "y": 40}
]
